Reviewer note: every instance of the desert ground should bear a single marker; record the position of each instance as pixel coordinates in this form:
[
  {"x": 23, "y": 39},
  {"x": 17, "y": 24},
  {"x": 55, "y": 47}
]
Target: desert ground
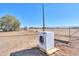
[{"x": 23, "y": 42}]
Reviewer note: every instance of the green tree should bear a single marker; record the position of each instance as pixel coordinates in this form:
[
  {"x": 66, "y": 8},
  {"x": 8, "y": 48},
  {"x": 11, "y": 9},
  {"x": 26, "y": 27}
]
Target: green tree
[{"x": 9, "y": 23}]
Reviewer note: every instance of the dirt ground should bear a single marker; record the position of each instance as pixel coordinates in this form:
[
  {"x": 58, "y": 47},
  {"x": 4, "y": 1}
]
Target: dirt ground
[
  {"x": 24, "y": 42},
  {"x": 16, "y": 41}
]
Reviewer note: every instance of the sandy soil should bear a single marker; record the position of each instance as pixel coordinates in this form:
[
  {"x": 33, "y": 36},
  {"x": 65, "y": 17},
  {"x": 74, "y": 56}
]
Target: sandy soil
[
  {"x": 23, "y": 42},
  {"x": 15, "y": 41}
]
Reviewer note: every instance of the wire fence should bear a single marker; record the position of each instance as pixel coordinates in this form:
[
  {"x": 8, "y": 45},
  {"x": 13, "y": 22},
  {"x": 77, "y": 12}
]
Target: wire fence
[
  {"x": 64, "y": 34},
  {"x": 67, "y": 35}
]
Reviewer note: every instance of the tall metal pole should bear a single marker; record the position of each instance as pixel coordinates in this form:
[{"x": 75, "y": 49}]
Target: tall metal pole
[{"x": 43, "y": 17}]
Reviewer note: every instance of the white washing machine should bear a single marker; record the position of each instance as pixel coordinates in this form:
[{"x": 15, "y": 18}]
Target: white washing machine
[{"x": 46, "y": 40}]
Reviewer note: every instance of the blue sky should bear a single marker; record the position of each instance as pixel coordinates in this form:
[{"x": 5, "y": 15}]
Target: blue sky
[{"x": 31, "y": 14}]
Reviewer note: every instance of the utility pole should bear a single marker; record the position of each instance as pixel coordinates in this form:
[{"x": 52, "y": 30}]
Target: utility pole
[{"x": 43, "y": 17}]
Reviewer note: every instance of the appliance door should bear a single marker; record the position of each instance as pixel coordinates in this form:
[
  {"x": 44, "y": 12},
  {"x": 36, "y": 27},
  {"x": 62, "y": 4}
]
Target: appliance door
[{"x": 41, "y": 39}]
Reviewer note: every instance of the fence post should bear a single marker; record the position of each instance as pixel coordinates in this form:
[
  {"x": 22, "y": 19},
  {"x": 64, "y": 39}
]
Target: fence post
[{"x": 69, "y": 36}]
